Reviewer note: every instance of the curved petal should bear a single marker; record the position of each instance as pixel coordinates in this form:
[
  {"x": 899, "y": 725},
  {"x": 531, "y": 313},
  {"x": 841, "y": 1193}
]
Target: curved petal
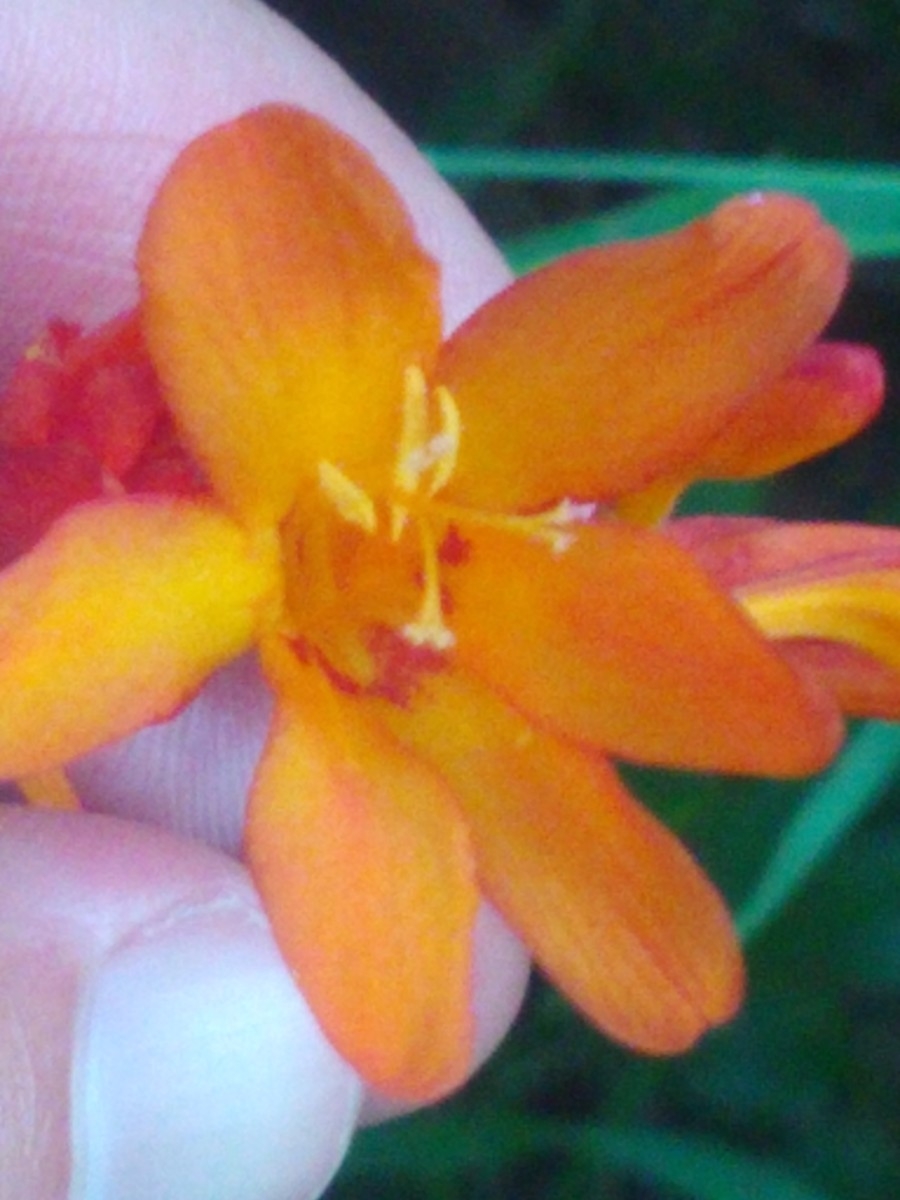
[
  {"x": 762, "y": 553},
  {"x": 826, "y": 397},
  {"x": 861, "y": 685},
  {"x": 622, "y": 642},
  {"x": 284, "y": 295},
  {"x": 115, "y": 618},
  {"x": 612, "y": 905},
  {"x": 859, "y": 609},
  {"x": 829, "y": 593},
  {"x": 598, "y": 373},
  {"x": 365, "y": 871}
]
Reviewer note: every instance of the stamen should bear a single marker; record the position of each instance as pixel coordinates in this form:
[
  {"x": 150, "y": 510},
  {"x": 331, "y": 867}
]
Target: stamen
[
  {"x": 573, "y": 512},
  {"x": 429, "y": 628},
  {"x": 445, "y": 446},
  {"x": 353, "y": 504},
  {"x": 414, "y": 431},
  {"x": 418, "y": 453},
  {"x": 399, "y": 519},
  {"x": 552, "y": 527}
]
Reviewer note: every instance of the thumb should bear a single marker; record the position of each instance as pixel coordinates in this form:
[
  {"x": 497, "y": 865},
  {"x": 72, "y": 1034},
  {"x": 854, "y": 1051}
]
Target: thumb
[{"x": 152, "y": 1044}]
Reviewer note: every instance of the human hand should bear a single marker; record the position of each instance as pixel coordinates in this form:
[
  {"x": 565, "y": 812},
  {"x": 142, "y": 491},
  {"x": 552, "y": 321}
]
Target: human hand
[{"x": 152, "y": 1043}]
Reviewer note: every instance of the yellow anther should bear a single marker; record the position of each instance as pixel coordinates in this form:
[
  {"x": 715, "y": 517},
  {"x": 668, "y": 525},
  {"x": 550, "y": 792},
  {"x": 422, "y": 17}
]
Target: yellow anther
[
  {"x": 419, "y": 450},
  {"x": 414, "y": 431},
  {"x": 445, "y": 446},
  {"x": 349, "y": 500},
  {"x": 553, "y": 527}
]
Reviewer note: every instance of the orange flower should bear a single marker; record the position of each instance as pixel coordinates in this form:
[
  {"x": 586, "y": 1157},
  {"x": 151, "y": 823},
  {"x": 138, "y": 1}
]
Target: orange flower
[{"x": 445, "y": 554}]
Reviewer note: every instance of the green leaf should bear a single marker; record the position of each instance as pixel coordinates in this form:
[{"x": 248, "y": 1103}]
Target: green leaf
[
  {"x": 697, "y": 1168},
  {"x": 830, "y": 809},
  {"x": 434, "y": 1148}
]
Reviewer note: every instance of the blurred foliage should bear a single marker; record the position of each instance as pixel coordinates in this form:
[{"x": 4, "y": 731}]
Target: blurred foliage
[{"x": 568, "y": 122}]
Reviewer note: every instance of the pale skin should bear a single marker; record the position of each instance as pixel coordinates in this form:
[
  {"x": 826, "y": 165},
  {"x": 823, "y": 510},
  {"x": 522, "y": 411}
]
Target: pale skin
[{"x": 95, "y": 100}]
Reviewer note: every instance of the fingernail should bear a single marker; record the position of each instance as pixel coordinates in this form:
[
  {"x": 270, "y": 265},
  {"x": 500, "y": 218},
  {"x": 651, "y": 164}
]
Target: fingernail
[{"x": 200, "y": 1074}]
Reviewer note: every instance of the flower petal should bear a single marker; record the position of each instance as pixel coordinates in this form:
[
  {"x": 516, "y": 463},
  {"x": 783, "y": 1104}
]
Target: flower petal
[
  {"x": 861, "y": 685},
  {"x": 749, "y": 554},
  {"x": 825, "y": 398},
  {"x": 365, "y": 871},
  {"x": 284, "y": 295},
  {"x": 598, "y": 373},
  {"x": 612, "y": 905},
  {"x": 829, "y": 593},
  {"x": 622, "y": 642},
  {"x": 115, "y": 618}
]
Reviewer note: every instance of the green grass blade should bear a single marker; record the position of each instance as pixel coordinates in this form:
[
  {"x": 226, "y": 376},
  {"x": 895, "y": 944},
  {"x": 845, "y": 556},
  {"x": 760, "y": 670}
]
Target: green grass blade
[
  {"x": 830, "y": 809},
  {"x": 490, "y": 164},
  {"x": 862, "y": 200},
  {"x": 870, "y": 223}
]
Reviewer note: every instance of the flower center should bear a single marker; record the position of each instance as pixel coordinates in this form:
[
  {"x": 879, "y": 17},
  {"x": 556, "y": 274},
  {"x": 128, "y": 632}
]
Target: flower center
[
  {"x": 424, "y": 464},
  {"x": 425, "y": 461}
]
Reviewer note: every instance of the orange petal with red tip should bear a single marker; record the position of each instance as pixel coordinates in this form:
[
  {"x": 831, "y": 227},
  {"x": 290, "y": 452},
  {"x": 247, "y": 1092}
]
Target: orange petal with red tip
[
  {"x": 284, "y": 294},
  {"x": 826, "y": 397},
  {"x": 115, "y": 618},
  {"x": 621, "y": 641},
  {"x": 611, "y": 904},
  {"x": 609, "y": 368},
  {"x": 365, "y": 871}
]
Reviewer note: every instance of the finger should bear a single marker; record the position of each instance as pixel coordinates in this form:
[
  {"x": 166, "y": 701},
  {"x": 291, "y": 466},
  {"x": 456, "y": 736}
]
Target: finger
[
  {"x": 97, "y": 99},
  {"x": 167, "y": 1034}
]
